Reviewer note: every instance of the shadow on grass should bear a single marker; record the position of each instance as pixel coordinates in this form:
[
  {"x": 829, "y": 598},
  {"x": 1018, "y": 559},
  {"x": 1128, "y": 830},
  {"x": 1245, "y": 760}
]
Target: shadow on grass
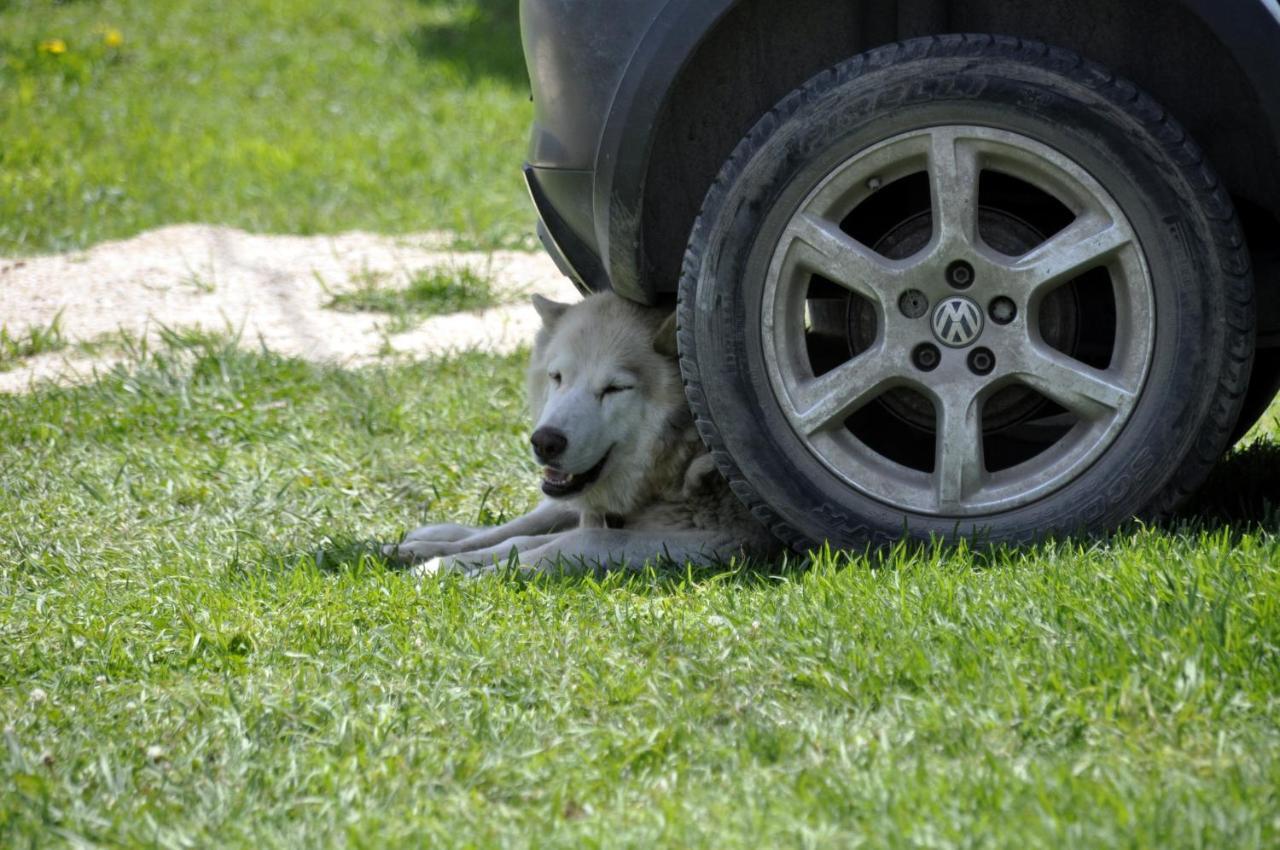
[
  {"x": 1242, "y": 491},
  {"x": 1241, "y": 496},
  {"x": 358, "y": 557},
  {"x": 478, "y": 39}
]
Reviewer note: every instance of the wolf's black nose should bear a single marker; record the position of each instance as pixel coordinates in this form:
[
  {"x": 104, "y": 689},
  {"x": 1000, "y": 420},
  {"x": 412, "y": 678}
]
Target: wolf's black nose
[{"x": 548, "y": 443}]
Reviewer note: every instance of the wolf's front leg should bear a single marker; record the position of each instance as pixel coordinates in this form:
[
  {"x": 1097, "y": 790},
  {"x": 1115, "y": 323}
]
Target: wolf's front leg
[
  {"x": 621, "y": 547},
  {"x": 478, "y": 561},
  {"x": 444, "y": 531},
  {"x": 589, "y": 548},
  {"x": 436, "y": 540}
]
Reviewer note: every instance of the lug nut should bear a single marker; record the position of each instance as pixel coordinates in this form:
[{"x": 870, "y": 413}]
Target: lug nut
[
  {"x": 981, "y": 361},
  {"x": 1002, "y": 310},
  {"x": 960, "y": 274},
  {"x": 926, "y": 357},
  {"x": 913, "y": 304}
]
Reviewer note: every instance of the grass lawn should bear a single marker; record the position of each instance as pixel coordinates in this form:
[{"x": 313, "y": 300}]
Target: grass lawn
[
  {"x": 430, "y": 292},
  {"x": 272, "y": 115},
  {"x": 16, "y": 348},
  {"x": 198, "y": 649}
]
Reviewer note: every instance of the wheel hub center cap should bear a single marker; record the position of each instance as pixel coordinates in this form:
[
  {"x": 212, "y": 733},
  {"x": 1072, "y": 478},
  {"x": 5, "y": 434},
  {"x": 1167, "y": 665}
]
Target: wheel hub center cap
[{"x": 957, "y": 321}]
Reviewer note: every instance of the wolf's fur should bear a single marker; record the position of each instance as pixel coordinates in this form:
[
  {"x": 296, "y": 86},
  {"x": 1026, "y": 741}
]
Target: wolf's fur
[{"x": 618, "y": 395}]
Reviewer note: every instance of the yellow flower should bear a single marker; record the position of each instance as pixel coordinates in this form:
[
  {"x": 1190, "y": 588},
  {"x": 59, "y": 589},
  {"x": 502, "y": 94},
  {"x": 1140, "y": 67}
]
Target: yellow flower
[
  {"x": 55, "y": 46},
  {"x": 112, "y": 37}
]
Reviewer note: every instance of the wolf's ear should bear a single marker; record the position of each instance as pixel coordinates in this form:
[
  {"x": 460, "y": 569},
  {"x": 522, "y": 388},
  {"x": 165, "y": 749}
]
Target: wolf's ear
[
  {"x": 664, "y": 341},
  {"x": 549, "y": 310}
]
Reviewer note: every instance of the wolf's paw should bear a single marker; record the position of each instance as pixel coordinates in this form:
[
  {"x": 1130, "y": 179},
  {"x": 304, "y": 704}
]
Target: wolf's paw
[
  {"x": 445, "y": 564},
  {"x": 427, "y": 569},
  {"x": 416, "y": 551}
]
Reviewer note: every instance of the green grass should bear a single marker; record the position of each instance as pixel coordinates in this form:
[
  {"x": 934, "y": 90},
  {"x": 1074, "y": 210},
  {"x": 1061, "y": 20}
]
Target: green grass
[
  {"x": 198, "y": 648},
  {"x": 14, "y": 348},
  {"x": 430, "y": 292},
  {"x": 271, "y": 115}
]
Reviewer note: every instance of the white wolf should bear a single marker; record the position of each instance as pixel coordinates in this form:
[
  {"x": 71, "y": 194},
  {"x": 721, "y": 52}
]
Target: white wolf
[{"x": 626, "y": 476}]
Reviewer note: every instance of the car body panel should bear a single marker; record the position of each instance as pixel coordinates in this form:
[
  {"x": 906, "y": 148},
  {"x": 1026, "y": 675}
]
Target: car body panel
[{"x": 601, "y": 73}]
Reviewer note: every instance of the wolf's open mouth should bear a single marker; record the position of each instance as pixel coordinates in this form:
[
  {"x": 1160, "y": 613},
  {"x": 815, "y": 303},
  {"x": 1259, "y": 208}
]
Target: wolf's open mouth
[{"x": 558, "y": 483}]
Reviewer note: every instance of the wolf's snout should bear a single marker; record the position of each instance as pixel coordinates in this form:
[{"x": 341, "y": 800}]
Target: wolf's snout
[{"x": 548, "y": 443}]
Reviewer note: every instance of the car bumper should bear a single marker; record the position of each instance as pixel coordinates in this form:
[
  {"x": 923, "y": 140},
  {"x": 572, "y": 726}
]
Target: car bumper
[
  {"x": 563, "y": 201},
  {"x": 577, "y": 53}
]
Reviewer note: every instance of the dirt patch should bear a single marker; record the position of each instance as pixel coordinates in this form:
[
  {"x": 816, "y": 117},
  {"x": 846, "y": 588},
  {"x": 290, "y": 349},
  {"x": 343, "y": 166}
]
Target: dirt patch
[{"x": 270, "y": 290}]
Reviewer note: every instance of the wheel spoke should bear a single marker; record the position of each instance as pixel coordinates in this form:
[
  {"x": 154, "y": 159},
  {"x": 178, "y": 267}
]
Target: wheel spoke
[
  {"x": 834, "y": 396},
  {"x": 959, "y": 450},
  {"x": 1084, "y": 244},
  {"x": 1089, "y": 393},
  {"x": 953, "y": 178},
  {"x": 823, "y": 248}
]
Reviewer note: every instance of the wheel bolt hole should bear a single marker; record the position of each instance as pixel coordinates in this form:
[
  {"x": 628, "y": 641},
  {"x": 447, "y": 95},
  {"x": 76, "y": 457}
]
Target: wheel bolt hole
[
  {"x": 960, "y": 274},
  {"x": 913, "y": 304},
  {"x": 926, "y": 357},
  {"x": 981, "y": 361},
  {"x": 1002, "y": 310}
]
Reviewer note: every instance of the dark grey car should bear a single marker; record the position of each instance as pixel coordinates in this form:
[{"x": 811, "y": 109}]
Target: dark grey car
[{"x": 995, "y": 268}]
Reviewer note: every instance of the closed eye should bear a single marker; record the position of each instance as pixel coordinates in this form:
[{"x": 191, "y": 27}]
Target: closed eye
[{"x": 616, "y": 388}]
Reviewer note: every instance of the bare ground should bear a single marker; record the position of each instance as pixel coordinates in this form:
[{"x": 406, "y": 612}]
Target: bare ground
[{"x": 271, "y": 290}]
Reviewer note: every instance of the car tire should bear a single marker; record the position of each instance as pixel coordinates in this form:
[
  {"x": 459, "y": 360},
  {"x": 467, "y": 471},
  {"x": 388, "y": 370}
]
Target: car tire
[{"x": 861, "y": 373}]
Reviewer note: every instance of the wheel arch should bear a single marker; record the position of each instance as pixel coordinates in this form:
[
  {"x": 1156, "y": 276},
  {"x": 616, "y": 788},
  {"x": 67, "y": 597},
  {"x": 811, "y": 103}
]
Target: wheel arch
[{"x": 706, "y": 71}]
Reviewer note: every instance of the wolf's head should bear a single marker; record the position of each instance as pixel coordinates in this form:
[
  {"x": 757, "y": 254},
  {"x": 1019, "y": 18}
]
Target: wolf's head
[{"x": 605, "y": 394}]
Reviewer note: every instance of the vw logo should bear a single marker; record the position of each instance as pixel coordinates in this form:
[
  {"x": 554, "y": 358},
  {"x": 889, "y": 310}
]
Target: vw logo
[{"x": 957, "y": 321}]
